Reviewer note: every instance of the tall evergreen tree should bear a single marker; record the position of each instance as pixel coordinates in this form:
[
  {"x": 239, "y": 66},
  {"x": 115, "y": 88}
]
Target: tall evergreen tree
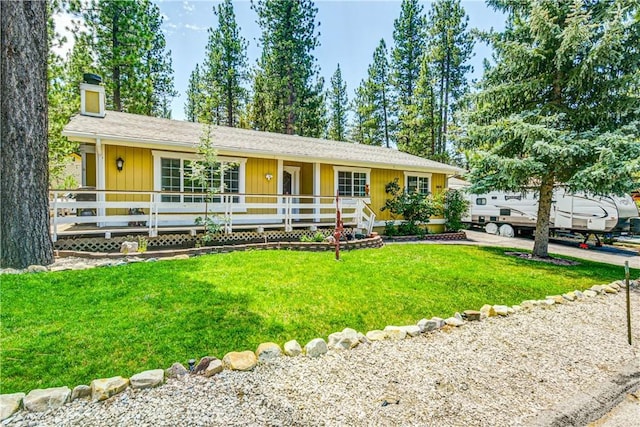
[
  {"x": 379, "y": 88},
  {"x": 338, "y": 106},
  {"x": 193, "y": 106},
  {"x": 419, "y": 118},
  {"x": 24, "y": 203},
  {"x": 450, "y": 46},
  {"x": 225, "y": 68},
  {"x": 406, "y": 56},
  {"x": 562, "y": 103},
  {"x": 130, "y": 54},
  {"x": 287, "y": 93}
]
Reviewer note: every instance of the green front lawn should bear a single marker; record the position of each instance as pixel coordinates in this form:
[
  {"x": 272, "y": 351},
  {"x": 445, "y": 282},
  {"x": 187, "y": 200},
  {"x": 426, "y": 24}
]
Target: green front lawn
[{"x": 67, "y": 328}]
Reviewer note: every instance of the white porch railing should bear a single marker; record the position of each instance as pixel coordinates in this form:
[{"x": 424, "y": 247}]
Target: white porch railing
[{"x": 95, "y": 211}]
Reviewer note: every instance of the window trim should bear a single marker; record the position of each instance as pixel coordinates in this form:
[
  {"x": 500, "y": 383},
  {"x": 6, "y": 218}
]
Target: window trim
[
  {"x": 366, "y": 171},
  {"x": 428, "y": 175},
  {"x": 157, "y": 170}
]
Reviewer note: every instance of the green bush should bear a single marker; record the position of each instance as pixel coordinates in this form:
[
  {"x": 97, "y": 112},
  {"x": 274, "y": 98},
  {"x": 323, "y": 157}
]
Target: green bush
[
  {"x": 416, "y": 209},
  {"x": 318, "y": 237},
  {"x": 455, "y": 207}
]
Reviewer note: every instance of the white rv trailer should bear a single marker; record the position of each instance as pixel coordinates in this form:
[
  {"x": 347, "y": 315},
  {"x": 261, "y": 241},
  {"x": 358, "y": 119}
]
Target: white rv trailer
[{"x": 506, "y": 213}]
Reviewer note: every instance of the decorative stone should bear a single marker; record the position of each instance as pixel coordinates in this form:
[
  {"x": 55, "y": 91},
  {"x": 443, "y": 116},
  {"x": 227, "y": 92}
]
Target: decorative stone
[
  {"x": 316, "y": 347},
  {"x": 609, "y": 290},
  {"x": 129, "y": 247},
  {"x": 240, "y": 360},
  {"x": 181, "y": 256},
  {"x": 556, "y": 298},
  {"x": 488, "y": 311},
  {"x": 37, "y": 269},
  {"x": 501, "y": 310},
  {"x": 376, "y": 335},
  {"x": 395, "y": 333},
  {"x": 203, "y": 364},
  {"x": 578, "y": 294},
  {"x": 215, "y": 367},
  {"x": 548, "y": 302},
  {"x": 363, "y": 339},
  {"x": 472, "y": 315},
  {"x": 345, "y": 340},
  {"x": 527, "y": 305},
  {"x": 458, "y": 316},
  {"x": 411, "y": 330},
  {"x": 439, "y": 321},
  {"x": 453, "y": 321},
  {"x": 104, "y": 388},
  {"x": 147, "y": 379},
  {"x": 9, "y": 404},
  {"x": 589, "y": 293},
  {"x": 569, "y": 296},
  {"x": 597, "y": 288},
  {"x": 40, "y": 400},
  {"x": 292, "y": 348},
  {"x": 428, "y": 325},
  {"x": 268, "y": 351},
  {"x": 80, "y": 392},
  {"x": 176, "y": 370},
  {"x": 516, "y": 308}
]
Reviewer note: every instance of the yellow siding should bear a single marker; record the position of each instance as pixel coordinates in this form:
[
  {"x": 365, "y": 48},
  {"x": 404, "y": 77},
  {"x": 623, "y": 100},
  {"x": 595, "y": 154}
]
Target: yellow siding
[
  {"x": 256, "y": 183},
  {"x": 92, "y": 102},
  {"x": 136, "y": 175},
  {"x": 90, "y": 170},
  {"x": 379, "y": 179},
  {"x": 326, "y": 180},
  {"x": 438, "y": 182}
]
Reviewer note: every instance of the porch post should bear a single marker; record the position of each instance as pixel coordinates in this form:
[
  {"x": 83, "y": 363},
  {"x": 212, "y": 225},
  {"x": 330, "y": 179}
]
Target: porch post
[
  {"x": 100, "y": 178},
  {"x": 280, "y": 189},
  {"x": 316, "y": 190}
]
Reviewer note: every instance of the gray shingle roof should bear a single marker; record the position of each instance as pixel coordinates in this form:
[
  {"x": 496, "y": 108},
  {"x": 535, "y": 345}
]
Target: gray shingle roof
[{"x": 186, "y": 135}]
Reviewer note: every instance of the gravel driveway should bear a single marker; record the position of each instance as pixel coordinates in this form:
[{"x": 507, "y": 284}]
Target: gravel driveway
[{"x": 530, "y": 368}]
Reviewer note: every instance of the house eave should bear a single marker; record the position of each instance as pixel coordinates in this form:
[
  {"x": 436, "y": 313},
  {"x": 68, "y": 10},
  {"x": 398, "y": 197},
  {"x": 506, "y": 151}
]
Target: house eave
[{"x": 90, "y": 137}]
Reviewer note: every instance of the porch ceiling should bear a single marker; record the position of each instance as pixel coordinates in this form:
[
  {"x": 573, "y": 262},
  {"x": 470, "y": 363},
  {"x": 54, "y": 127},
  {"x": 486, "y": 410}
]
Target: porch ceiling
[{"x": 155, "y": 132}]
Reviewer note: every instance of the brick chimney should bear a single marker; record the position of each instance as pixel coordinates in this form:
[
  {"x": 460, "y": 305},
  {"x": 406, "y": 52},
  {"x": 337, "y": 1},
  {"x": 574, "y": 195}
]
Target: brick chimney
[{"x": 92, "y": 98}]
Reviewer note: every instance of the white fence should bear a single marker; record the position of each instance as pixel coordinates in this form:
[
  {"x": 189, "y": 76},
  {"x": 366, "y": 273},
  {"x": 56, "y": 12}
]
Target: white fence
[{"x": 95, "y": 211}]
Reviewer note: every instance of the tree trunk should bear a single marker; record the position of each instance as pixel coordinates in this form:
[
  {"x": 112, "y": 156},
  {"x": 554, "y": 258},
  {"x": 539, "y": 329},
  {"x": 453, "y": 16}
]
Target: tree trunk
[
  {"x": 541, "y": 244},
  {"x": 117, "y": 99},
  {"x": 386, "y": 120},
  {"x": 24, "y": 207},
  {"x": 445, "y": 117}
]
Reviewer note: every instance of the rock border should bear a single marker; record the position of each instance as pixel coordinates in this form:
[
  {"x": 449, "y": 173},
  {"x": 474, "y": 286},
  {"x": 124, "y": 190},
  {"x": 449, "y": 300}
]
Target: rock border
[
  {"x": 460, "y": 235},
  {"x": 105, "y": 388}
]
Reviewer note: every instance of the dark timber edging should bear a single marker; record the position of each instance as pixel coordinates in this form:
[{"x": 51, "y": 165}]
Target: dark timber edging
[
  {"x": 441, "y": 236},
  {"x": 371, "y": 242}
]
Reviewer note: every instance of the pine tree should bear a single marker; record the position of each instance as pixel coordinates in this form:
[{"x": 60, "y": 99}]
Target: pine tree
[
  {"x": 287, "y": 94},
  {"x": 561, "y": 104},
  {"x": 24, "y": 203},
  {"x": 378, "y": 88},
  {"x": 225, "y": 69},
  {"x": 338, "y": 105},
  {"x": 450, "y": 47},
  {"x": 409, "y": 47},
  {"x": 419, "y": 117},
  {"x": 193, "y": 106},
  {"x": 130, "y": 54}
]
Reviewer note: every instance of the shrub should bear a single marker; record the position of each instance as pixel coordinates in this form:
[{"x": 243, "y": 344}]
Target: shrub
[
  {"x": 455, "y": 207},
  {"x": 416, "y": 208},
  {"x": 318, "y": 237}
]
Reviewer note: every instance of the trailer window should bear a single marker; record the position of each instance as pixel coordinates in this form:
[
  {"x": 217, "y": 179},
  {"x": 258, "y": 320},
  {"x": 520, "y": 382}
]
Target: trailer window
[
  {"x": 481, "y": 201},
  {"x": 505, "y": 212}
]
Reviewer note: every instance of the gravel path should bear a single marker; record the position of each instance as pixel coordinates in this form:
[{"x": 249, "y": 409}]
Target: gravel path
[{"x": 500, "y": 371}]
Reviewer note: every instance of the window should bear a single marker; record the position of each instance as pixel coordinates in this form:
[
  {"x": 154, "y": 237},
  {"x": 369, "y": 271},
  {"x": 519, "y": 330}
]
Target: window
[
  {"x": 174, "y": 173},
  {"x": 352, "y": 182},
  {"x": 417, "y": 182},
  {"x": 481, "y": 201},
  {"x": 505, "y": 212}
]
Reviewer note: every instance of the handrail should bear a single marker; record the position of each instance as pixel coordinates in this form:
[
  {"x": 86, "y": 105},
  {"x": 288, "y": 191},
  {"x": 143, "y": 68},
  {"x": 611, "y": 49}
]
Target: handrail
[{"x": 118, "y": 208}]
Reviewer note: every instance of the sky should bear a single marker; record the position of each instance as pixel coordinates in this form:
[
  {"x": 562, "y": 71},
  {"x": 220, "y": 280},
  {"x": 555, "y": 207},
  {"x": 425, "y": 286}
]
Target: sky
[{"x": 350, "y": 30}]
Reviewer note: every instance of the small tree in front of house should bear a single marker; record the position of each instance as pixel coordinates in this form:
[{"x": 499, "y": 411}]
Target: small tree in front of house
[
  {"x": 203, "y": 174},
  {"x": 416, "y": 209},
  {"x": 455, "y": 206}
]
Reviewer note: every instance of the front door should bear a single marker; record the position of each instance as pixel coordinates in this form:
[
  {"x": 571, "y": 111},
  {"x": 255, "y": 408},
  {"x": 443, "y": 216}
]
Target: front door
[{"x": 291, "y": 184}]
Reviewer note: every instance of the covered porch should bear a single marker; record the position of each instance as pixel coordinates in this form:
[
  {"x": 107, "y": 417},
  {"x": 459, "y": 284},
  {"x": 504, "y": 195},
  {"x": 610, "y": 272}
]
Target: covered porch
[{"x": 107, "y": 212}]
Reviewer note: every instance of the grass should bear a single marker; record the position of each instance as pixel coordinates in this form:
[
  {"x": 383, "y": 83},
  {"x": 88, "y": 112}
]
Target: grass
[{"x": 67, "y": 328}]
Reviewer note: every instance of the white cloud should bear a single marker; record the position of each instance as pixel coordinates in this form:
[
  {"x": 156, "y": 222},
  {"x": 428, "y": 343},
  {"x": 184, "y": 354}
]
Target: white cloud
[
  {"x": 188, "y": 7},
  {"x": 195, "y": 27}
]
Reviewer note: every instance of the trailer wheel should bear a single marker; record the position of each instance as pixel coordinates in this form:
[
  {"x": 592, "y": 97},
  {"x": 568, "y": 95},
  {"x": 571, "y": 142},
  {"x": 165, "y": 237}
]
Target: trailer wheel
[
  {"x": 491, "y": 228},
  {"x": 507, "y": 231}
]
